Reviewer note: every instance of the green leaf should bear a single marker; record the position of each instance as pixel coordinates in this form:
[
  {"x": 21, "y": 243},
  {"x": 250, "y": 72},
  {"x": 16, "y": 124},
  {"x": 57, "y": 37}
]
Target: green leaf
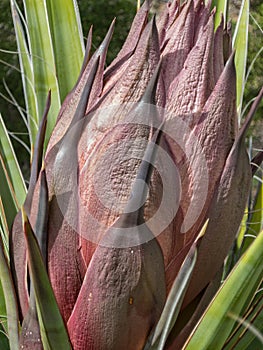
[
  {"x": 175, "y": 298},
  {"x": 250, "y": 328},
  {"x": 240, "y": 43},
  {"x": 242, "y": 229},
  {"x": 4, "y": 232},
  {"x": 215, "y": 326},
  {"x": 3, "y": 317},
  {"x": 53, "y": 332},
  {"x": 43, "y": 60},
  {"x": 221, "y": 9},
  {"x": 174, "y": 301},
  {"x": 26, "y": 73},
  {"x": 10, "y": 301},
  {"x": 67, "y": 41},
  {"x": 256, "y": 218},
  {"x": 52, "y": 46},
  {"x": 11, "y": 164},
  {"x": 7, "y": 195}
]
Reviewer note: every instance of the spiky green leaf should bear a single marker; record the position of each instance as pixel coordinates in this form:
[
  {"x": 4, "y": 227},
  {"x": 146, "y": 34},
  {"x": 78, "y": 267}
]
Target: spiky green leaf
[
  {"x": 8, "y": 198},
  {"x": 174, "y": 302},
  {"x": 248, "y": 333},
  {"x": 10, "y": 301},
  {"x": 52, "y": 328},
  {"x": 67, "y": 39},
  {"x": 240, "y": 43},
  {"x": 11, "y": 164},
  {"x": 43, "y": 59},
  {"x": 216, "y": 324},
  {"x": 221, "y": 9},
  {"x": 26, "y": 72}
]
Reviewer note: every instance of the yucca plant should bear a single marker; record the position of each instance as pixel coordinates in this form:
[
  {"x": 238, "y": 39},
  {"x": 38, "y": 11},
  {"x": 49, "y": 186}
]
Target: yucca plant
[{"x": 137, "y": 194}]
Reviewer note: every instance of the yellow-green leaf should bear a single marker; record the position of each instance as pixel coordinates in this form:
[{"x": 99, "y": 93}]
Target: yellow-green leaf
[
  {"x": 12, "y": 167},
  {"x": 67, "y": 41},
  {"x": 221, "y": 9},
  {"x": 53, "y": 332},
  {"x": 216, "y": 324},
  {"x": 26, "y": 73},
  {"x": 41, "y": 49},
  {"x": 10, "y": 301},
  {"x": 240, "y": 43}
]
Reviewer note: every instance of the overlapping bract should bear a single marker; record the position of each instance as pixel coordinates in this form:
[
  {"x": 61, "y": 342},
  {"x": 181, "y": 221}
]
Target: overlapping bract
[{"x": 111, "y": 296}]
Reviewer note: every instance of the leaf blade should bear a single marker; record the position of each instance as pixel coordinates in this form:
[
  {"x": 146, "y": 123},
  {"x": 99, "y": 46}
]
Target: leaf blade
[
  {"x": 215, "y": 325},
  {"x": 53, "y": 331},
  {"x": 67, "y": 41},
  {"x": 11, "y": 164},
  {"x": 221, "y": 9},
  {"x": 10, "y": 301},
  {"x": 240, "y": 43},
  {"x": 42, "y": 52},
  {"x": 25, "y": 60}
]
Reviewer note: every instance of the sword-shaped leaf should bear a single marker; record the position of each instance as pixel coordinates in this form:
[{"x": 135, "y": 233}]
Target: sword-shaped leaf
[
  {"x": 221, "y": 9},
  {"x": 254, "y": 220},
  {"x": 10, "y": 301},
  {"x": 67, "y": 39},
  {"x": 30, "y": 332},
  {"x": 240, "y": 42},
  {"x": 7, "y": 195},
  {"x": 248, "y": 332},
  {"x": 16, "y": 239},
  {"x": 43, "y": 60},
  {"x": 27, "y": 75},
  {"x": 175, "y": 298},
  {"x": 11, "y": 164},
  {"x": 53, "y": 332},
  {"x": 216, "y": 324}
]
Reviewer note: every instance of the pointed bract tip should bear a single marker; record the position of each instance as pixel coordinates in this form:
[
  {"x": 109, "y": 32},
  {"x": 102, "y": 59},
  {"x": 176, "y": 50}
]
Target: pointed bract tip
[
  {"x": 154, "y": 30},
  {"x": 202, "y": 231},
  {"x": 139, "y": 194},
  {"x": 105, "y": 43},
  {"x": 150, "y": 92},
  {"x": 43, "y": 168},
  {"x": 213, "y": 12},
  {"x": 24, "y": 215},
  {"x": 87, "y": 52},
  {"x": 221, "y": 24},
  {"x": 230, "y": 69},
  {"x": 84, "y": 98},
  {"x": 110, "y": 31}
]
